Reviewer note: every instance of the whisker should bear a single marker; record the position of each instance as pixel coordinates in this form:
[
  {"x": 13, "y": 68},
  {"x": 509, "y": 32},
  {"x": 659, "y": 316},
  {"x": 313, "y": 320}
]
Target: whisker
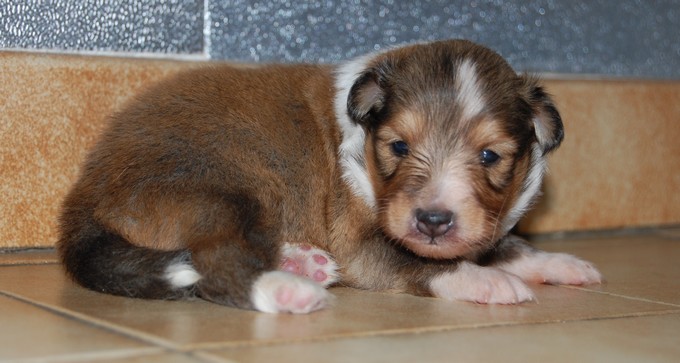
[{"x": 497, "y": 220}]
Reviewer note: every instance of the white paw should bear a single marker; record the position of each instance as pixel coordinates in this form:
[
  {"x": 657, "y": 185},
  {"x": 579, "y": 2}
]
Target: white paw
[
  {"x": 484, "y": 285},
  {"x": 553, "y": 268},
  {"x": 282, "y": 292},
  {"x": 313, "y": 263}
]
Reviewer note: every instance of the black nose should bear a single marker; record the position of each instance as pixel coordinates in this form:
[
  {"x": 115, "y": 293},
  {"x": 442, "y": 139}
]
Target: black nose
[{"x": 434, "y": 223}]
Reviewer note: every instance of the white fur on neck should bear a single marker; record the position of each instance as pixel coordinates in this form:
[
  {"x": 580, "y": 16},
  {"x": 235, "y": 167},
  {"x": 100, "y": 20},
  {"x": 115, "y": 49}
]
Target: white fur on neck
[
  {"x": 531, "y": 189},
  {"x": 352, "y": 158}
]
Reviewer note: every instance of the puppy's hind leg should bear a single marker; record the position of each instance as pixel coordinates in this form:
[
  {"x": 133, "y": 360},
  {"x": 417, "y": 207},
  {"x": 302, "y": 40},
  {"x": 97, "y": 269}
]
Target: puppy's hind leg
[
  {"x": 238, "y": 259},
  {"x": 313, "y": 263}
]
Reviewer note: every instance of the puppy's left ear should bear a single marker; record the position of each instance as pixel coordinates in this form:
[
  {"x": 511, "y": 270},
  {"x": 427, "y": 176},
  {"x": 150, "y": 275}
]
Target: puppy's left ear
[{"x": 546, "y": 120}]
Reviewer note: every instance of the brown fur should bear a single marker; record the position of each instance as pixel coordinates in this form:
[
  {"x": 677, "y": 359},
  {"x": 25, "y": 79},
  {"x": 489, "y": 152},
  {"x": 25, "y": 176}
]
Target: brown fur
[
  {"x": 230, "y": 163},
  {"x": 417, "y": 107}
]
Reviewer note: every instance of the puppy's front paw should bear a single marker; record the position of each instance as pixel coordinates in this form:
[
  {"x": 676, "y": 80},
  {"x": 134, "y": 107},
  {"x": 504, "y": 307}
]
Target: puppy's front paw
[
  {"x": 282, "y": 292},
  {"x": 484, "y": 285},
  {"x": 311, "y": 262},
  {"x": 554, "y": 269}
]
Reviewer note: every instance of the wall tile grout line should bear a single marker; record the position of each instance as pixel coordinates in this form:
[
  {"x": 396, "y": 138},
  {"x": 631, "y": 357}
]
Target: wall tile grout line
[
  {"x": 28, "y": 257},
  {"x": 207, "y": 30},
  {"x": 665, "y": 232},
  {"x": 26, "y": 263},
  {"x": 193, "y": 57}
]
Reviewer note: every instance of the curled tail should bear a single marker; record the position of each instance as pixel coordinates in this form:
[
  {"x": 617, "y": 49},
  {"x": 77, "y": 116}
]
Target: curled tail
[
  {"x": 237, "y": 268},
  {"x": 106, "y": 262}
]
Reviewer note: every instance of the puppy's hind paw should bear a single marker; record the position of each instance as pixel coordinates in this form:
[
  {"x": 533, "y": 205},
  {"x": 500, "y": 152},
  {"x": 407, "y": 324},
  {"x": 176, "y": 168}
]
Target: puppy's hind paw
[
  {"x": 310, "y": 262},
  {"x": 282, "y": 292},
  {"x": 483, "y": 285}
]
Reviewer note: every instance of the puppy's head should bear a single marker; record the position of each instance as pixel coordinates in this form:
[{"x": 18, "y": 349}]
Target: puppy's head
[{"x": 454, "y": 144}]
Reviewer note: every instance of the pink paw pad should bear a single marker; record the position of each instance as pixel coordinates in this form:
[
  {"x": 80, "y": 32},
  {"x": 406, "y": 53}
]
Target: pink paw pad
[{"x": 310, "y": 262}]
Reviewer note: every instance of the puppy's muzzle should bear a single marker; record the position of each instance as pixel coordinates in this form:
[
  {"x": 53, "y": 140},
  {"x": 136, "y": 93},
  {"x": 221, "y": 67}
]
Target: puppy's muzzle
[{"x": 434, "y": 223}]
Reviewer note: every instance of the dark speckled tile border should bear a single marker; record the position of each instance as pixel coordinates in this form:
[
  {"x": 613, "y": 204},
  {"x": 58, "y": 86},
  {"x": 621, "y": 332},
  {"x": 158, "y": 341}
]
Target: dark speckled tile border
[
  {"x": 593, "y": 37},
  {"x": 626, "y": 38},
  {"x": 173, "y": 27}
]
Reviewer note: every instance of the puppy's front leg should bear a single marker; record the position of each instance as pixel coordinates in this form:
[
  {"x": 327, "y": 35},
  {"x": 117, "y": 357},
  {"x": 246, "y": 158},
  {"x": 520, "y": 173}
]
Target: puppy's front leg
[
  {"x": 480, "y": 284},
  {"x": 515, "y": 256},
  {"x": 398, "y": 270},
  {"x": 500, "y": 276}
]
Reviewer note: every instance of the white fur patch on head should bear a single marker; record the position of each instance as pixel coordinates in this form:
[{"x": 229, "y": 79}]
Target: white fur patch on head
[
  {"x": 181, "y": 274},
  {"x": 353, "y": 135},
  {"x": 530, "y": 189},
  {"x": 451, "y": 186},
  {"x": 470, "y": 97}
]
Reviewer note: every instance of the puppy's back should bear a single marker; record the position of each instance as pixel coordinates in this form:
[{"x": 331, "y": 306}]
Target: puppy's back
[{"x": 205, "y": 154}]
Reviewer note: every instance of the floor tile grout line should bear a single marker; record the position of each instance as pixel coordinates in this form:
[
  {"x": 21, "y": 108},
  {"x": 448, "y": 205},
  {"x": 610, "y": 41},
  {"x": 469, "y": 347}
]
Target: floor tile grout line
[
  {"x": 102, "y": 324},
  {"x": 92, "y": 356},
  {"x": 206, "y": 357},
  {"x": 663, "y": 232},
  {"x": 210, "y": 357},
  {"x": 203, "y": 356},
  {"x": 627, "y": 297},
  {"x": 421, "y": 330},
  {"x": 154, "y": 342},
  {"x": 205, "y": 347},
  {"x": 189, "y": 348}
]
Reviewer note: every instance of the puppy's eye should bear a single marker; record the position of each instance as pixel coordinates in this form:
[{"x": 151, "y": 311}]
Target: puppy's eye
[
  {"x": 400, "y": 148},
  {"x": 488, "y": 157}
]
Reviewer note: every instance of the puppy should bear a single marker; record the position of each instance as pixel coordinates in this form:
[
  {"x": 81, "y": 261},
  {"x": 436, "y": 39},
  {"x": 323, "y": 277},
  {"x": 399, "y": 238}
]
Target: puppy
[{"x": 400, "y": 171}]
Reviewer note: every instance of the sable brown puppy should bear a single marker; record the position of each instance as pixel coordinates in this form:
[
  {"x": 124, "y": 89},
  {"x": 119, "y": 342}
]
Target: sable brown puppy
[{"x": 402, "y": 170}]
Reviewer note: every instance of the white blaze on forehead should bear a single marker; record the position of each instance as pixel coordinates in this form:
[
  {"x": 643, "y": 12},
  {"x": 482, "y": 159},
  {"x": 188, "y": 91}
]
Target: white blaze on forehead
[
  {"x": 470, "y": 97},
  {"x": 449, "y": 189}
]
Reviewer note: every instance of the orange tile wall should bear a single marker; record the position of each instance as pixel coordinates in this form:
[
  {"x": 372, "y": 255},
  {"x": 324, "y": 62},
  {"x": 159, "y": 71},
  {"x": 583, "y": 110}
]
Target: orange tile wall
[
  {"x": 618, "y": 167},
  {"x": 51, "y": 110}
]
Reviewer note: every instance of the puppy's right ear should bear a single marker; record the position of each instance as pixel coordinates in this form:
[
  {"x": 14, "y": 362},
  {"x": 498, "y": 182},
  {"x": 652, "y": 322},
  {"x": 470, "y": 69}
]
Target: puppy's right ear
[{"x": 366, "y": 99}]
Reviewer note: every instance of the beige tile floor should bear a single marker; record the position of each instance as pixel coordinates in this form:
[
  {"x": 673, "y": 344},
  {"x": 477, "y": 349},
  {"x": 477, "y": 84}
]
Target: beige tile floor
[{"x": 633, "y": 317}]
